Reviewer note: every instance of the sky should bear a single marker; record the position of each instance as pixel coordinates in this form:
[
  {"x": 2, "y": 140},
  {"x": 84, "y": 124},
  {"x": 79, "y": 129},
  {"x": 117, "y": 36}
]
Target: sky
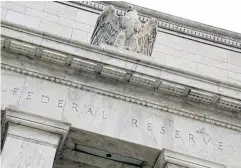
[{"x": 224, "y": 14}]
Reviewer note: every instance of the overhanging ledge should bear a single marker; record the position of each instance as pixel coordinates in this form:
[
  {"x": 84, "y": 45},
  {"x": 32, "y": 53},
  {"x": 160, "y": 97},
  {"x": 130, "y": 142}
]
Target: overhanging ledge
[
  {"x": 168, "y": 158},
  {"x": 120, "y": 54}
]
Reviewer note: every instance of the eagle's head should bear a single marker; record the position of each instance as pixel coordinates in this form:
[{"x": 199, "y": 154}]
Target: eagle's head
[{"x": 129, "y": 8}]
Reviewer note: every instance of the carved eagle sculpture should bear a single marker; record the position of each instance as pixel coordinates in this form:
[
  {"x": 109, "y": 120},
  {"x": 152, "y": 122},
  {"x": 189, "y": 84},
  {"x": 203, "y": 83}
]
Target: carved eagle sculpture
[{"x": 126, "y": 32}]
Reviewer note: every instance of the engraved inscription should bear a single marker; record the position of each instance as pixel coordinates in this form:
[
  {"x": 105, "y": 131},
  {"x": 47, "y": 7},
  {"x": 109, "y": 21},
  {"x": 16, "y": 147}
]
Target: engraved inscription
[{"x": 90, "y": 111}]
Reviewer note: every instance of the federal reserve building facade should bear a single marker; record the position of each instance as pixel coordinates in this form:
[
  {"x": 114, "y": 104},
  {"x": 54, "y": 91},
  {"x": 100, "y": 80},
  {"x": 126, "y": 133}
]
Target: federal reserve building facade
[{"x": 89, "y": 84}]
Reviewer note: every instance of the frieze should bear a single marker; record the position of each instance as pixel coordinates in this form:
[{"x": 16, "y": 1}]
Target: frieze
[
  {"x": 105, "y": 115},
  {"x": 135, "y": 100}
]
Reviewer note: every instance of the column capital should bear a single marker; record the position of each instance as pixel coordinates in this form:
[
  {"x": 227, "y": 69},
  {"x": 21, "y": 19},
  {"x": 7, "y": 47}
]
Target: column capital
[{"x": 171, "y": 159}]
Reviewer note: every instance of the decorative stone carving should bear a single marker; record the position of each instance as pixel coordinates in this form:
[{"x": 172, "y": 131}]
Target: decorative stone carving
[{"x": 126, "y": 32}]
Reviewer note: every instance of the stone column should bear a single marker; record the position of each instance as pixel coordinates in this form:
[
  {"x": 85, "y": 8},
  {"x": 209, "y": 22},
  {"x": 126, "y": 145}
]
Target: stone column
[
  {"x": 32, "y": 141},
  {"x": 171, "y": 159}
]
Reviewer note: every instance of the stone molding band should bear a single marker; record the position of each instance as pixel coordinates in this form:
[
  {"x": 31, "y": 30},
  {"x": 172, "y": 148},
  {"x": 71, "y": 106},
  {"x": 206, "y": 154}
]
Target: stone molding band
[
  {"x": 176, "y": 24},
  {"x": 122, "y": 97},
  {"x": 33, "y": 141},
  {"x": 113, "y": 53}
]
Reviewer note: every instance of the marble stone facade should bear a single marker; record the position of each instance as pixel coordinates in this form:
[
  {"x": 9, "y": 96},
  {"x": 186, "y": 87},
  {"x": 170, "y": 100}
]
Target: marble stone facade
[{"x": 66, "y": 103}]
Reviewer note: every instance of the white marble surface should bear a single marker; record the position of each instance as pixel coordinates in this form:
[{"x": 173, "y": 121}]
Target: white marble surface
[
  {"x": 191, "y": 80},
  {"x": 24, "y": 154},
  {"x": 169, "y": 158},
  {"x": 182, "y": 135},
  {"x": 38, "y": 5},
  {"x": 22, "y": 19},
  {"x": 26, "y": 147},
  {"x": 127, "y": 121},
  {"x": 169, "y": 165},
  {"x": 112, "y": 117},
  {"x": 11, "y": 88},
  {"x": 37, "y": 97},
  {"x": 207, "y": 142},
  {"x": 26, "y": 132},
  {"x": 60, "y": 10},
  {"x": 172, "y": 50}
]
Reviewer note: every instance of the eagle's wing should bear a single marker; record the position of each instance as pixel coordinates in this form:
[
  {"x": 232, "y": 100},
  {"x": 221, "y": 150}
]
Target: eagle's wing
[
  {"x": 147, "y": 37},
  {"x": 107, "y": 27}
]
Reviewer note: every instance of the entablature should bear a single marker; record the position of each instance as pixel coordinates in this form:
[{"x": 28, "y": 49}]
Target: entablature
[{"x": 120, "y": 66}]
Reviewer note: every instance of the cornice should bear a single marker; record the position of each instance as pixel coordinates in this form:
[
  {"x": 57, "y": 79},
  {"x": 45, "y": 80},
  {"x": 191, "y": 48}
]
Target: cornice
[
  {"x": 119, "y": 74},
  {"x": 130, "y": 56},
  {"x": 119, "y": 96},
  {"x": 172, "y": 23}
]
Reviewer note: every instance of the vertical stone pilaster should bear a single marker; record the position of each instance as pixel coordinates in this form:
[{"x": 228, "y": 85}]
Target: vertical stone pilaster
[
  {"x": 26, "y": 147},
  {"x": 32, "y": 141}
]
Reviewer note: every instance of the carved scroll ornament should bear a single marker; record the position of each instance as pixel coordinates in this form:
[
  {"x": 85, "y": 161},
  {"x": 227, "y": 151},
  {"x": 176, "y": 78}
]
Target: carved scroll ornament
[{"x": 126, "y": 32}]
